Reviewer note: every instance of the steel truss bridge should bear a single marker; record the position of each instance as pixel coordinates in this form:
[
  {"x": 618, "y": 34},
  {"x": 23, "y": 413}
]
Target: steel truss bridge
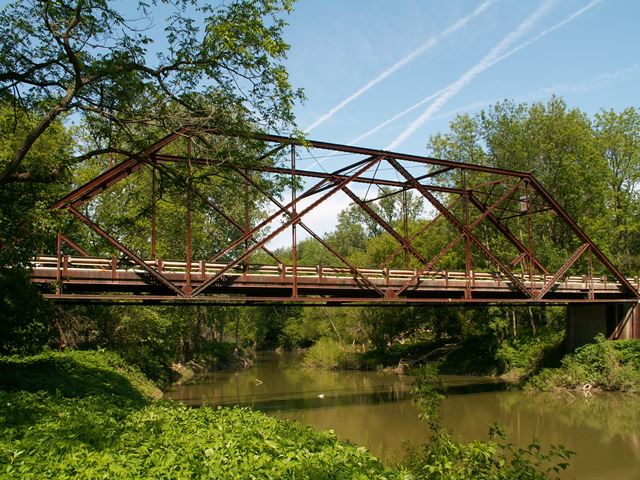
[{"x": 492, "y": 216}]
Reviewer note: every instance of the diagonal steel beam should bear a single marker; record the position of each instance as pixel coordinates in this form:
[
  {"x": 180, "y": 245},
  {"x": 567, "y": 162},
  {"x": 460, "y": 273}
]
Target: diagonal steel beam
[
  {"x": 214, "y": 207},
  {"x": 508, "y": 234},
  {"x": 115, "y": 173},
  {"x": 73, "y": 245},
  {"x": 453, "y": 243},
  {"x": 420, "y": 232},
  {"x": 434, "y": 173},
  {"x": 115, "y": 243},
  {"x": 284, "y": 226},
  {"x": 322, "y": 185},
  {"x": 355, "y": 270},
  {"x": 388, "y": 194},
  {"x": 584, "y": 237},
  {"x": 573, "y": 258},
  {"x": 250, "y": 233},
  {"x": 460, "y": 226},
  {"x": 403, "y": 241}
]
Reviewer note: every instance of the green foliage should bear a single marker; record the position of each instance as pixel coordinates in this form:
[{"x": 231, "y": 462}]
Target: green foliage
[
  {"x": 76, "y": 374},
  {"x": 26, "y": 224},
  {"x": 591, "y": 167},
  {"x": 221, "y": 64},
  {"x": 606, "y": 364},
  {"x": 216, "y": 355},
  {"x": 476, "y": 356},
  {"x": 303, "y": 330},
  {"x": 529, "y": 354},
  {"x": 445, "y": 458},
  {"x": 25, "y": 318},
  {"x": 330, "y": 354},
  {"x": 83, "y": 415}
]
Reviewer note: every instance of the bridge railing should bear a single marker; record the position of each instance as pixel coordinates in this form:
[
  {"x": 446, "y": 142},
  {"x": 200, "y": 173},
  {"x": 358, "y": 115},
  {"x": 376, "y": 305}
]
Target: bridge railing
[{"x": 75, "y": 266}]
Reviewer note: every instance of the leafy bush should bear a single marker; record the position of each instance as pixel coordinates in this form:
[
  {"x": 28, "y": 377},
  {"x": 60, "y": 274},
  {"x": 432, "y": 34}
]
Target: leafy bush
[
  {"x": 25, "y": 317},
  {"x": 215, "y": 354},
  {"x": 606, "y": 364},
  {"x": 529, "y": 354},
  {"x": 329, "y": 354},
  {"x": 79, "y": 438},
  {"x": 86, "y": 415},
  {"x": 77, "y": 374},
  {"x": 476, "y": 356},
  {"x": 445, "y": 458}
]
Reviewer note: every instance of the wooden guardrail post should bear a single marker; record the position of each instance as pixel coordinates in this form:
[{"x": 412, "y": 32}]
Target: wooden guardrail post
[
  {"x": 114, "y": 266},
  {"x": 65, "y": 266}
]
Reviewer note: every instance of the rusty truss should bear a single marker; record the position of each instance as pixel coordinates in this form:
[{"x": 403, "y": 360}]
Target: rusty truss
[{"x": 472, "y": 240}]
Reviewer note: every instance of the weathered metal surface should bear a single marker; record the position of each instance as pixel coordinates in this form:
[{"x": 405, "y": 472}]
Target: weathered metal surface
[
  {"x": 484, "y": 196},
  {"x": 84, "y": 275}
]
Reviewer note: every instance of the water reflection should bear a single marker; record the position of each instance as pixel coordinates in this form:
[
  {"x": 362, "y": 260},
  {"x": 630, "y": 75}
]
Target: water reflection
[{"x": 373, "y": 409}]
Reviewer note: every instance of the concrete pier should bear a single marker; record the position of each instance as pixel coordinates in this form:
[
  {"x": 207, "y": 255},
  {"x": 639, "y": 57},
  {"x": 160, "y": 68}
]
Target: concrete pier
[{"x": 613, "y": 320}]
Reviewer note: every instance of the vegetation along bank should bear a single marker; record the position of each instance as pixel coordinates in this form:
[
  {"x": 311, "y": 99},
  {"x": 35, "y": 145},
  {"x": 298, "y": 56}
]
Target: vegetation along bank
[{"x": 87, "y": 414}]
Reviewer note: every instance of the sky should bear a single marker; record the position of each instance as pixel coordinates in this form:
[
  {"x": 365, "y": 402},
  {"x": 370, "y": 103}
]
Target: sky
[
  {"x": 362, "y": 63},
  {"x": 389, "y": 74}
]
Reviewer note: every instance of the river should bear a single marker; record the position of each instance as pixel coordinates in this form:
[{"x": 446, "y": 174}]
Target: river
[{"x": 373, "y": 409}]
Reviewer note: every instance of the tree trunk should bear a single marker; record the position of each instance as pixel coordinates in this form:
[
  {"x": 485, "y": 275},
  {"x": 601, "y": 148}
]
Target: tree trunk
[{"x": 533, "y": 322}]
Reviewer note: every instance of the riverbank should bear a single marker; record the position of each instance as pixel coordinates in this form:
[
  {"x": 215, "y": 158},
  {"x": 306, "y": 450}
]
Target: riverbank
[
  {"x": 604, "y": 365},
  {"x": 89, "y": 415},
  {"x": 536, "y": 363},
  {"x": 479, "y": 355}
]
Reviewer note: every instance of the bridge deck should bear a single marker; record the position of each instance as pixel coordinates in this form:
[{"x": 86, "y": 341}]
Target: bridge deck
[{"x": 102, "y": 279}]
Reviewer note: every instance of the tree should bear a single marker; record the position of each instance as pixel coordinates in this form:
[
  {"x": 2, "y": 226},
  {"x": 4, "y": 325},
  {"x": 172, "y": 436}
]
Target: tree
[
  {"x": 618, "y": 136},
  {"x": 88, "y": 59},
  {"x": 81, "y": 79},
  {"x": 556, "y": 144}
]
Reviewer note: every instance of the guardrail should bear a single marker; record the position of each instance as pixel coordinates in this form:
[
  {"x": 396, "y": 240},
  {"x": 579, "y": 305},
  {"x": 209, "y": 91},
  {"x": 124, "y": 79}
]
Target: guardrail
[{"x": 69, "y": 266}]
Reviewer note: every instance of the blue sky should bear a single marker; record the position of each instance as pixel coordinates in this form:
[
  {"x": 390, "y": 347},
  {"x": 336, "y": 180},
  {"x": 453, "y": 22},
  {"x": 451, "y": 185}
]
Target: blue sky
[
  {"x": 364, "y": 62},
  {"x": 585, "y": 51}
]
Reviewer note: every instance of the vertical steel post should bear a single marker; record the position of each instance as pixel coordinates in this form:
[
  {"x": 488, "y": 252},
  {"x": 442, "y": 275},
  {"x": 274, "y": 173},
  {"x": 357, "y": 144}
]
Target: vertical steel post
[
  {"x": 58, "y": 261},
  {"x": 405, "y": 214},
  {"x": 467, "y": 243},
  {"x": 246, "y": 221},
  {"x": 591, "y": 293},
  {"x": 153, "y": 211},
  {"x": 294, "y": 213},
  {"x": 531, "y": 255},
  {"x": 187, "y": 285}
]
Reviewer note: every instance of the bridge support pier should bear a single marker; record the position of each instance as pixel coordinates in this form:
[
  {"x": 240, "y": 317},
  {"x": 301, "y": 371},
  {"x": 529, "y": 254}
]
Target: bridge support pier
[{"x": 613, "y": 320}]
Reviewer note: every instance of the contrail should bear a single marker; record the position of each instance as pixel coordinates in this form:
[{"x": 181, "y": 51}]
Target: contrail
[
  {"x": 421, "y": 49},
  {"x": 570, "y": 18},
  {"x": 396, "y": 117},
  {"x": 544, "y": 33},
  {"x": 488, "y": 60},
  {"x": 594, "y": 83}
]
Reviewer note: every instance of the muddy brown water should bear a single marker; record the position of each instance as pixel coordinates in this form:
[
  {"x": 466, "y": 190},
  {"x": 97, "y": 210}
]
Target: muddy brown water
[{"x": 374, "y": 409}]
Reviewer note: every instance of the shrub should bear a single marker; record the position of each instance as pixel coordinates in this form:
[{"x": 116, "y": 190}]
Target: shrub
[
  {"x": 329, "y": 354},
  {"x": 606, "y": 364},
  {"x": 75, "y": 373},
  {"x": 86, "y": 415},
  {"x": 476, "y": 356},
  {"x": 530, "y": 354},
  {"x": 445, "y": 458}
]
